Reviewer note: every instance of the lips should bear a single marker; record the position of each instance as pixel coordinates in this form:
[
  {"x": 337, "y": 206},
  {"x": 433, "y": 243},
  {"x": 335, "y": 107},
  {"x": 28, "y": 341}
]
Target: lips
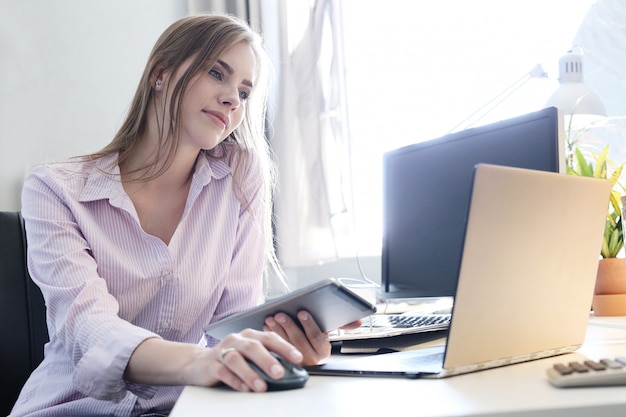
[{"x": 218, "y": 115}]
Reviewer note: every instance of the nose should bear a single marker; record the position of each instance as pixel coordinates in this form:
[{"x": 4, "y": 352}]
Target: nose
[{"x": 230, "y": 97}]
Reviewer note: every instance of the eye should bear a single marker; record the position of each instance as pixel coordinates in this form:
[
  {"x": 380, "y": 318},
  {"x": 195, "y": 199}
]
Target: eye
[
  {"x": 215, "y": 74},
  {"x": 244, "y": 95}
]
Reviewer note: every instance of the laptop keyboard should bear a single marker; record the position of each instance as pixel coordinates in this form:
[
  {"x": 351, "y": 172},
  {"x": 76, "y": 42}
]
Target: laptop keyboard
[
  {"x": 406, "y": 321},
  {"x": 385, "y": 325}
]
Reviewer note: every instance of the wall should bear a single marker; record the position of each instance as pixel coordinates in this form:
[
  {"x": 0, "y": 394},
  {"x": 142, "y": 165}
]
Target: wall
[
  {"x": 359, "y": 274},
  {"x": 68, "y": 70}
]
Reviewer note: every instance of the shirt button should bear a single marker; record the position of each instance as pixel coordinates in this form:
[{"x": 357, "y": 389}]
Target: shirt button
[
  {"x": 167, "y": 277},
  {"x": 165, "y": 325}
]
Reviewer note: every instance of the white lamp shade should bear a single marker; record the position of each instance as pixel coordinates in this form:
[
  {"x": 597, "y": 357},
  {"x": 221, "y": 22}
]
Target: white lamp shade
[
  {"x": 576, "y": 98},
  {"x": 573, "y": 96}
]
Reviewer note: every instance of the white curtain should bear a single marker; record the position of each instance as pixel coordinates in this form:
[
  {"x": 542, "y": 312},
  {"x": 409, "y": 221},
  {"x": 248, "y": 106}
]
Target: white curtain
[{"x": 310, "y": 138}]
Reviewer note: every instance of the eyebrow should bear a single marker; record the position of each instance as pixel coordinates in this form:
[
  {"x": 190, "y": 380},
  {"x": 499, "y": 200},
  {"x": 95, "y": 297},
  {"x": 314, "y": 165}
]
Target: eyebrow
[{"x": 230, "y": 70}]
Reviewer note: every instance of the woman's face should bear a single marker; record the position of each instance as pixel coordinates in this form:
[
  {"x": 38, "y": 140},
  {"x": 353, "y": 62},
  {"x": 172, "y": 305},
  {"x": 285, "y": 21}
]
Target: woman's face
[{"x": 214, "y": 103}]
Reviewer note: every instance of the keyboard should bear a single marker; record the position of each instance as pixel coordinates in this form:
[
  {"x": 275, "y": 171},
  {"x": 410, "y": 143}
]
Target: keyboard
[{"x": 387, "y": 325}]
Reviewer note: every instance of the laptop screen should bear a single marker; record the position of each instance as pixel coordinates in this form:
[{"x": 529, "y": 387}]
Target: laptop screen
[{"x": 426, "y": 192}]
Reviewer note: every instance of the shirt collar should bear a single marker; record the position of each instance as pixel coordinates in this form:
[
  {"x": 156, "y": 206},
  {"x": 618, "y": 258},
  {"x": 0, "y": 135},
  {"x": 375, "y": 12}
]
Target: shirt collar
[
  {"x": 103, "y": 181},
  {"x": 207, "y": 168}
]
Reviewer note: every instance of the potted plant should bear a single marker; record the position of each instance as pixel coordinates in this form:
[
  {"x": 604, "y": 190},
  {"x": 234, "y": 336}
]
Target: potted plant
[{"x": 610, "y": 290}]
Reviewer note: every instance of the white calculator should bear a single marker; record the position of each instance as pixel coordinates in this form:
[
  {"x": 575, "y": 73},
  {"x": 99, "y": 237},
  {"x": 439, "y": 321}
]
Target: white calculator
[{"x": 589, "y": 373}]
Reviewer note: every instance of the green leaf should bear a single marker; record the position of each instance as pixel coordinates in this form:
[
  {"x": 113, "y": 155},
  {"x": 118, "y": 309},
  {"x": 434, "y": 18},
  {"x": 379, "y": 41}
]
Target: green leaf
[
  {"x": 613, "y": 239},
  {"x": 585, "y": 169},
  {"x": 600, "y": 171}
]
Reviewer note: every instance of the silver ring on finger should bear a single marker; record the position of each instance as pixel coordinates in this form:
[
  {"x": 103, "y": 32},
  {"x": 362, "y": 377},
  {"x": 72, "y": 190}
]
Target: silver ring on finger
[{"x": 226, "y": 351}]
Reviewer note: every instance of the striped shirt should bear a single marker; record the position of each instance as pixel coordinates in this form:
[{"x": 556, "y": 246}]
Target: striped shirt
[{"x": 109, "y": 285}]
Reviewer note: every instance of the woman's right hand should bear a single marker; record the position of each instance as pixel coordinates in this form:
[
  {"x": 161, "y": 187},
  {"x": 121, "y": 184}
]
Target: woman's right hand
[{"x": 226, "y": 362}]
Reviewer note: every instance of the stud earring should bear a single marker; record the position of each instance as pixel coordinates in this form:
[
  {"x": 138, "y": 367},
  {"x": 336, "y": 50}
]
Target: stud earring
[{"x": 158, "y": 84}]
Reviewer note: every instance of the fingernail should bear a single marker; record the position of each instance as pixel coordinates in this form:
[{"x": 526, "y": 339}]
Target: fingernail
[
  {"x": 281, "y": 319},
  {"x": 258, "y": 385},
  {"x": 244, "y": 388},
  {"x": 304, "y": 316},
  {"x": 276, "y": 370}
]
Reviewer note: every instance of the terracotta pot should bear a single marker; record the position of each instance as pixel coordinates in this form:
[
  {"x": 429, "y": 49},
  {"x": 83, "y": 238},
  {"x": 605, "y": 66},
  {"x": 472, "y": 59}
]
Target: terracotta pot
[
  {"x": 611, "y": 278},
  {"x": 610, "y": 291}
]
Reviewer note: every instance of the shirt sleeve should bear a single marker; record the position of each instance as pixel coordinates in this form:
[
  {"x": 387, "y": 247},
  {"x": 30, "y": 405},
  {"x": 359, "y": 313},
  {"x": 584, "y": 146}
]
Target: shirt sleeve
[{"x": 82, "y": 315}]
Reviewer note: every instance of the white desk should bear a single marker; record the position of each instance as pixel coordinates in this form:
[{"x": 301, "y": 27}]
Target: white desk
[{"x": 515, "y": 390}]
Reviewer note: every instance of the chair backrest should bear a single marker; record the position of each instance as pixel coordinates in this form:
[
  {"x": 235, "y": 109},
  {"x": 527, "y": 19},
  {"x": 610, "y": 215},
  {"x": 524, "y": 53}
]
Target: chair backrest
[{"x": 22, "y": 310}]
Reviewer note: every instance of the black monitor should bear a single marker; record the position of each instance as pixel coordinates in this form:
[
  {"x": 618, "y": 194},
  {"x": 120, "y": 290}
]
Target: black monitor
[{"x": 426, "y": 192}]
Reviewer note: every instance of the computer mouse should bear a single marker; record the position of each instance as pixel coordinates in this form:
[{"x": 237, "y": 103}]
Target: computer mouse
[{"x": 295, "y": 376}]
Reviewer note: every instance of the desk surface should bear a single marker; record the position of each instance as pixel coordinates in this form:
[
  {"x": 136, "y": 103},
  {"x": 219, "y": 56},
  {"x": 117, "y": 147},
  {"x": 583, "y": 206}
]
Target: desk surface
[{"x": 515, "y": 390}]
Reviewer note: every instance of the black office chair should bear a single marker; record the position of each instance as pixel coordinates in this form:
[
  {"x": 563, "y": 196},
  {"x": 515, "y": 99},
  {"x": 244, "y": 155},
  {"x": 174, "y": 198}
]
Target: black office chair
[{"x": 22, "y": 311}]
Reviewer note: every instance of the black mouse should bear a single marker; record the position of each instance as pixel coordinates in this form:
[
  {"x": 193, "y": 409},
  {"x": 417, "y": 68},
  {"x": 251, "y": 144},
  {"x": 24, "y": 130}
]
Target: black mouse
[{"x": 295, "y": 376}]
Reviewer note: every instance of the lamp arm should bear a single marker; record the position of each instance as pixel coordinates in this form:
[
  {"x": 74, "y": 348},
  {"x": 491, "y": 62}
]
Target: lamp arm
[{"x": 485, "y": 109}]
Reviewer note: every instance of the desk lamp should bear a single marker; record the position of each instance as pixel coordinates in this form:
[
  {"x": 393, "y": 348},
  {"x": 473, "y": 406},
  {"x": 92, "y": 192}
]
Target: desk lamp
[
  {"x": 574, "y": 96},
  {"x": 580, "y": 105}
]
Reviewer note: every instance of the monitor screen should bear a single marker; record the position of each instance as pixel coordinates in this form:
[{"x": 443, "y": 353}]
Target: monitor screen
[{"x": 426, "y": 193}]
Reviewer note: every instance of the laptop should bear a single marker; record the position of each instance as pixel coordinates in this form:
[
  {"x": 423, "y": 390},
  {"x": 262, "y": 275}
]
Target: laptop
[{"x": 526, "y": 280}]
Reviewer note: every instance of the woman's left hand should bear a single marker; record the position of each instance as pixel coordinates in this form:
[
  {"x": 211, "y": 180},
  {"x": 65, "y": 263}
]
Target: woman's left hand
[{"x": 309, "y": 340}]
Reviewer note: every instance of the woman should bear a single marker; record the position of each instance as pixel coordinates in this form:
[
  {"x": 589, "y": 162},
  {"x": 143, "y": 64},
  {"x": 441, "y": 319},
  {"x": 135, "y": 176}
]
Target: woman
[{"x": 138, "y": 246}]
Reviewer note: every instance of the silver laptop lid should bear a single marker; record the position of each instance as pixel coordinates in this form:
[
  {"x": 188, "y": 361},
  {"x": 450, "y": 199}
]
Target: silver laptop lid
[{"x": 529, "y": 264}]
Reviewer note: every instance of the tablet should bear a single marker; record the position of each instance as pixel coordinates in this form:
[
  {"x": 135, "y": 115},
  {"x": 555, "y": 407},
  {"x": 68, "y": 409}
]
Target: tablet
[{"x": 331, "y": 304}]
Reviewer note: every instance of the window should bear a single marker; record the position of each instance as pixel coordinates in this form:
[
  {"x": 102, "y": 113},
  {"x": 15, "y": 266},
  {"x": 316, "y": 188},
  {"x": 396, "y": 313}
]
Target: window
[{"x": 414, "y": 69}]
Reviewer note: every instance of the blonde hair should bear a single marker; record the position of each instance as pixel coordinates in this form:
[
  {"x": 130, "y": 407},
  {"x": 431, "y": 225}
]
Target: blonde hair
[{"x": 202, "y": 39}]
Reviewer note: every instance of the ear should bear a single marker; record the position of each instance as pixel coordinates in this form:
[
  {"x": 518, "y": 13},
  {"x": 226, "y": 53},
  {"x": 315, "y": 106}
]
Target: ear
[{"x": 158, "y": 81}]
